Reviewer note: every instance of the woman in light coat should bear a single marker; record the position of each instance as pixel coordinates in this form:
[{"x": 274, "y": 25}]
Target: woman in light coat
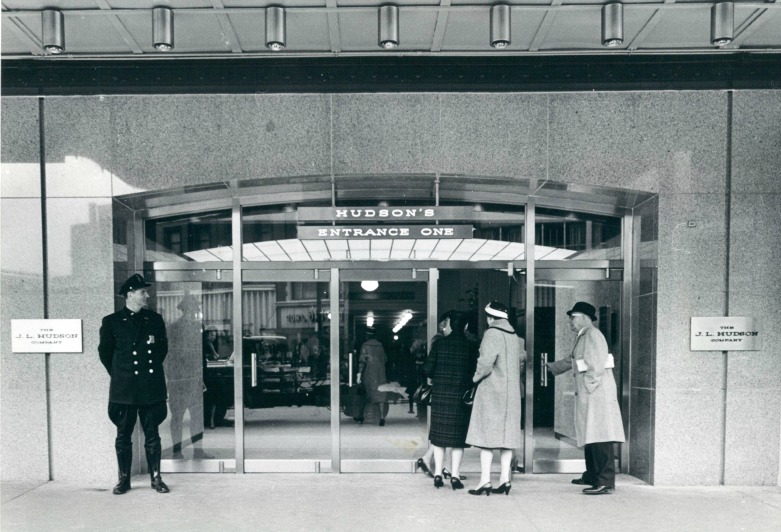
[
  {"x": 371, "y": 373},
  {"x": 496, "y": 413}
]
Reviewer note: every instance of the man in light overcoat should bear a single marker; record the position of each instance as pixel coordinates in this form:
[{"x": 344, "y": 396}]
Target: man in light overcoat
[{"x": 598, "y": 422}]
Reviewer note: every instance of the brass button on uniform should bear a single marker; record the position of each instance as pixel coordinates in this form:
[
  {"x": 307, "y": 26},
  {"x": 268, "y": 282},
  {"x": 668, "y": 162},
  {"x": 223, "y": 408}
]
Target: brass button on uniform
[
  {"x": 135, "y": 353},
  {"x": 151, "y": 371},
  {"x": 136, "y": 373}
]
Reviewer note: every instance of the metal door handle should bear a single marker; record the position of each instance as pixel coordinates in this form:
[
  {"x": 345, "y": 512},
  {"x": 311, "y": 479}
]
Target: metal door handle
[
  {"x": 350, "y": 369},
  {"x": 254, "y": 369},
  {"x": 544, "y": 370}
]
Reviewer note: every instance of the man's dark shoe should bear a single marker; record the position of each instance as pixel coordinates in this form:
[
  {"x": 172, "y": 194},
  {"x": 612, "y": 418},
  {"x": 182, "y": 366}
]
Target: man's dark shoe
[
  {"x": 580, "y": 482},
  {"x": 123, "y": 486},
  {"x": 159, "y": 486},
  {"x": 599, "y": 490}
]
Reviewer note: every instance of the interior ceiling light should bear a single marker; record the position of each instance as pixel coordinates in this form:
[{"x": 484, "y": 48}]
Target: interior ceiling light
[
  {"x": 500, "y": 26},
  {"x": 389, "y": 26},
  {"x": 722, "y": 23},
  {"x": 612, "y": 24},
  {"x": 53, "y": 31},
  {"x": 275, "y": 28},
  {"x": 370, "y": 286},
  {"x": 163, "y": 29}
]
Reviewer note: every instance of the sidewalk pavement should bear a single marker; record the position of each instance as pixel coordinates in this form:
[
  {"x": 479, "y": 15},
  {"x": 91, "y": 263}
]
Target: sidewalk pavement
[{"x": 380, "y": 502}]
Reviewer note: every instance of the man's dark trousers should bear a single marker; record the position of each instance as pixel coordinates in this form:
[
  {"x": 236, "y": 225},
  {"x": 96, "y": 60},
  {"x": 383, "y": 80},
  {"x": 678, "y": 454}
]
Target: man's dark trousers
[{"x": 600, "y": 464}]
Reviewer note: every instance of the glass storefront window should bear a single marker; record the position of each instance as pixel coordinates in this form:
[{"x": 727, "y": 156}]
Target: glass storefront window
[
  {"x": 564, "y": 235},
  {"x": 200, "y": 237}
]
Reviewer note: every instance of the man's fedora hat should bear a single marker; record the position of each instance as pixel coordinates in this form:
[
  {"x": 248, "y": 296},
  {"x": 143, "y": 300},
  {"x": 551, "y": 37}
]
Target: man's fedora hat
[
  {"x": 581, "y": 307},
  {"x": 496, "y": 309},
  {"x": 134, "y": 283}
]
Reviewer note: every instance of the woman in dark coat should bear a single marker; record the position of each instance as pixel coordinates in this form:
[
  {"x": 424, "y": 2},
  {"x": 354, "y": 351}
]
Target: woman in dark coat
[{"x": 450, "y": 366}]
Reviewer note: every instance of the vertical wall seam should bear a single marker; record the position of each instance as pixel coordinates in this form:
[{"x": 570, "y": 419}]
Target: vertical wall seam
[
  {"x": 727, "y": 236},
  {"x": 45, "y": 278}
]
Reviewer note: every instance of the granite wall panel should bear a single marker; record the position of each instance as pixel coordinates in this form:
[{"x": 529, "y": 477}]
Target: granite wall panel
[
  {"x": 385, "y": 133},
  {"x": 23, "y": 416},
  {"x": 20, "y": 173},
  {"x": 652, "y": 141},
  {"x": 81, "y": 278},
  {"x": 494, "y": 134},
  {"x": 756, "y": 142}
]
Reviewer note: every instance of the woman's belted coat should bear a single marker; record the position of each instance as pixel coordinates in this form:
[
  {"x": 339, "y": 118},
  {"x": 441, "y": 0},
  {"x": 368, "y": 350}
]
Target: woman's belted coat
[{"x": 496, "y": 412}]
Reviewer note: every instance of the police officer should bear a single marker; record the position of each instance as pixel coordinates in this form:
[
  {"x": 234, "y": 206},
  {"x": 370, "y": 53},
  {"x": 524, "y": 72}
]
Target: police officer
[{"x": 133, "y": 345}]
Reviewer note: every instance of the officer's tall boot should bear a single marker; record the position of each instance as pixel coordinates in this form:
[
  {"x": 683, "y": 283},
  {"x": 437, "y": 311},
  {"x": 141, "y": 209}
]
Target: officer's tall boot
[
  {"x": 153, "y": 462},
  {"x": 125, "y": 463}
]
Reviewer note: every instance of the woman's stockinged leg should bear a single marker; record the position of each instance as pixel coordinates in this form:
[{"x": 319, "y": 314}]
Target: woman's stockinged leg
[
  {"x": 439, "y": 460},
  {"x": 486, "y": 457},
  {"x": 456, "y": 454},
  {"x": 505, "y": 457}
]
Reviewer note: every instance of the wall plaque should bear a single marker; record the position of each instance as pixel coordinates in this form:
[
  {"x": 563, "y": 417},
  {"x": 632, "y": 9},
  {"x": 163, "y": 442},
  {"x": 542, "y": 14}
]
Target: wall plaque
[
  {"x": 46, "y": 336},
  {"x": 725, "y": 334},
  {"x": 384, "y": 214}
]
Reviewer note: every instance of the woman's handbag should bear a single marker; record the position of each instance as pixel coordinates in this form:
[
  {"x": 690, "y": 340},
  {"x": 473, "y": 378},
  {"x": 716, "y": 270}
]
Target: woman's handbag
[
  {"x": 422, "y": 395},
  {"x": 469, "y": 395}
]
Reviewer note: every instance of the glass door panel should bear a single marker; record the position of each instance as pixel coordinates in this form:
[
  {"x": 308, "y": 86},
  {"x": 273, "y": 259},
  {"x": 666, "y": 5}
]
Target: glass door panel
[
  {"x": 555, "y": 449},
  {"x": 383, "y": 327},
  {"x": 286, "y": 385},
  {"x": 470, "y": 291},
  {"x": 198, "y": 433}
]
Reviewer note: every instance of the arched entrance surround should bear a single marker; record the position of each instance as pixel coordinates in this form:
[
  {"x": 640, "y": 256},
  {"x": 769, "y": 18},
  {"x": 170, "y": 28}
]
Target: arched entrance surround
[{"x": 585, "y": 242}]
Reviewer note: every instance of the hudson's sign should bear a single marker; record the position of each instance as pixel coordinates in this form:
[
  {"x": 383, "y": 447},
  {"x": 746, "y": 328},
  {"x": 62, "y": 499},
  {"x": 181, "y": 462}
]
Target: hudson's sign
[
  {"x": 725, "y": 334},
  {"x": 398, "y": 214}
]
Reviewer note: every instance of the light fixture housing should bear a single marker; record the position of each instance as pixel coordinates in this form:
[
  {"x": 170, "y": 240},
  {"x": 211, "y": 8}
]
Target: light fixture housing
[
  {"x": 722, "y": 23},
  {"x": 370, "y": 286},
  {"x": 388, "y": 26},
  {"x": 275, "y": 29},
  {"x": 500, "y": 26},
  {"x": 163, "y": 29},
  {"x": 612, "y": 24},
  {"x": 53, "y": 30}
]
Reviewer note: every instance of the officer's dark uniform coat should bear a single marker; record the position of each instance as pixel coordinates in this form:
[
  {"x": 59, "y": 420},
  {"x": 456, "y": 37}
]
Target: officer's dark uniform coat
[{"x": 133, "y": 346}]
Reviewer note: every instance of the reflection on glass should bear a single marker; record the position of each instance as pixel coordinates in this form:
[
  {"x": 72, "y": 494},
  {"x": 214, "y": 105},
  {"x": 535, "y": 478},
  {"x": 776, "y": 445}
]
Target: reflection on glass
[
  {"x": 198, "y": 370},
  {"x": 380, "y": 369},
  {"x": 198, "y": 237},
  {"x": 287, "y": 389},
  {"x": 562, "y": 235}
]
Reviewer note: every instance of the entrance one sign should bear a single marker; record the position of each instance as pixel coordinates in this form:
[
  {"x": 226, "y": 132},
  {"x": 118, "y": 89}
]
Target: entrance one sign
[
  {"x": 46, "y": 336},
  {"x": 725, "y": 334},
  {"x": 334, "y": 232}
]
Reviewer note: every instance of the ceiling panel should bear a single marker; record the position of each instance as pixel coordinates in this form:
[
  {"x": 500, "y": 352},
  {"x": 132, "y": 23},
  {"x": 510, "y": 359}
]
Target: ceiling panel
[{"x": 102, "y": 28}]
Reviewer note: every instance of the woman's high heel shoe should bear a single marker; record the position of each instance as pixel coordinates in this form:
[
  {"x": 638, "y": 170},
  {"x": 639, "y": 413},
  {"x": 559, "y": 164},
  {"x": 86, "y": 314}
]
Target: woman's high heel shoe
[
  {"x": 423, "y": 466},
  {"x": 438, "y": 482},
  {"x": 446, "y": 473},
  {"x": 456, "y": 483},
  {"x": 485, "y": 488},
  {"x": 504, "y": 488}
]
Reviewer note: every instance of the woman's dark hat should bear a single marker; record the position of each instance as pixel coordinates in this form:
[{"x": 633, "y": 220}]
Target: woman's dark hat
[
  {"x": 134, "y": 283},
  {"x": 582, "y": 307},
  {"x": 497, "y": 310}
]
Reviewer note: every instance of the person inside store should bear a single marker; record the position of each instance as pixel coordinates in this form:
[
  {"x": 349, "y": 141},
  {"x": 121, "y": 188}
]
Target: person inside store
[
  {"x": 371, "y": 373},
  {"x": 183, "y": 373},
  {"x": 133, "y": 346},
  {"x": 449, "y": 367},
  {"x": 598, "y": 424},
  {"x": 216, "y": 396},
  {"x": 496, "y": 412}
]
